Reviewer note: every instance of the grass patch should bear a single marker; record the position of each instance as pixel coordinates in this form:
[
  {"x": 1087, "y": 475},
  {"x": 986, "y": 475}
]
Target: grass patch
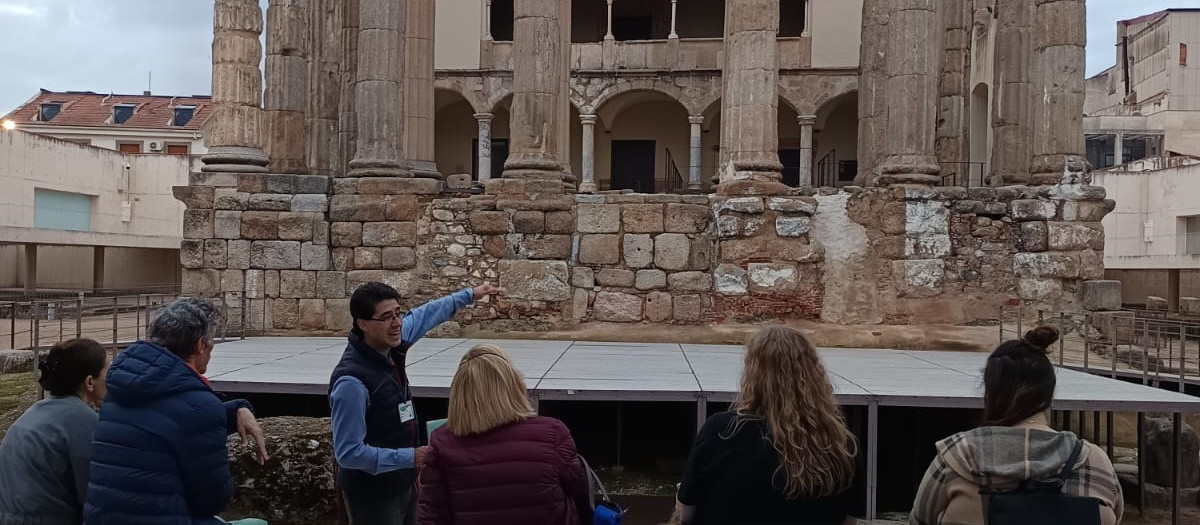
[{"x": 17, "y": 393}]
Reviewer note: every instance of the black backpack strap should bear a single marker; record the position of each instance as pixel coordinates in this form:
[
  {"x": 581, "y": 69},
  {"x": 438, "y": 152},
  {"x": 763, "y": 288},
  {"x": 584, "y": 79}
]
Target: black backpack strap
[{"x": 1069, "y": 467}]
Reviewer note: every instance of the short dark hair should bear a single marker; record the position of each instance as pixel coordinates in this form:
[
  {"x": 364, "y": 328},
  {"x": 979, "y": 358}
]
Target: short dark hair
[
  {"x": 69, "y": 363},
  {"x": 182, "y": 323},
  {"x": 367, "y": 297},
  {"x": 1019, "y": 381}
]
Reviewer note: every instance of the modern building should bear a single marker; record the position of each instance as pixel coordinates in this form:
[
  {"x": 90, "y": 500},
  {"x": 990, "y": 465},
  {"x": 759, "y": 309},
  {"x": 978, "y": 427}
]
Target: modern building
[
  {"x": 1148, "y": 104},
  {"x": 132, "y": 124},
  {"x": 1152, "y": 238},
  {"x": 76, "y": 217}
]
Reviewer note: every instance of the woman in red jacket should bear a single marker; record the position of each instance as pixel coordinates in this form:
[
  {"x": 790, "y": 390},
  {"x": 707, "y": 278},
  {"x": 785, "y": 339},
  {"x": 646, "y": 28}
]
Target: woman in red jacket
[{"x": 495, "y": 462}]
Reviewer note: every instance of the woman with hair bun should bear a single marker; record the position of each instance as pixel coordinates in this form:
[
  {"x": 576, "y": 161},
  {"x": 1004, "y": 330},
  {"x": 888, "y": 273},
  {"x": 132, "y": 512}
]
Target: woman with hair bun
[
  {"x": 44, "y": 456},
  {"x": 1015, "y": 448}
]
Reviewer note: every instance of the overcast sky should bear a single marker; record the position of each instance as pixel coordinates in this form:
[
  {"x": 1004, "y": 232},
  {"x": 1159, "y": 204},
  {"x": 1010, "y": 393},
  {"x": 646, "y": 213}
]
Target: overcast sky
[{"x": 114, "y": 45}]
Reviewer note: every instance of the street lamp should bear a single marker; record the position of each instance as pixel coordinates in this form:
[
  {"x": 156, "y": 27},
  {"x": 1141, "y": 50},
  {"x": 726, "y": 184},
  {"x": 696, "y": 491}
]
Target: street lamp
[{"x": 9, "y": 125}]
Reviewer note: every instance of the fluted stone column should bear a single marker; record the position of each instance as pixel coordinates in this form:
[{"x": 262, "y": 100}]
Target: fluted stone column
[
  {"x": 1059, "y": 36},
  {"x": 913, "y": 65},
  {"x": 380, "y": 90},
  {"x": 696, "y": 148},
  {"x": 484, "y": 146},
  {"x": 1011, "y": 114},
  {"x": 234, "y": 132},
  {"x": 418, "y": 88},
  {"x": 348, "y": 92},
  {"x": 589, "y": 154},
  {"x": 872, "y": 105},
  {"x": 324, "y": 156},
  {"x": 750, "y": 105},
  {"x": 540, "y": 52},
  {"x": 806, "y": 149},
  {"x": 285, "y": 99}
]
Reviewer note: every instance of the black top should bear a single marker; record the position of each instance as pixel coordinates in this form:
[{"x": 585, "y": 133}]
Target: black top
[
  {"x": 387, "y": 384},
  {"x": 729, "y": 479}
]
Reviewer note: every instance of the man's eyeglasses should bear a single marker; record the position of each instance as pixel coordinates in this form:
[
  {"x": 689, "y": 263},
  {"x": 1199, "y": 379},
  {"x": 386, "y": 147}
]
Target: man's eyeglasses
[{"x": 389, "y": 317}]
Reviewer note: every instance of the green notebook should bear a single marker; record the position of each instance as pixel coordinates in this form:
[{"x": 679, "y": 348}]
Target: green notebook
[{"x": 430, "y": 426}]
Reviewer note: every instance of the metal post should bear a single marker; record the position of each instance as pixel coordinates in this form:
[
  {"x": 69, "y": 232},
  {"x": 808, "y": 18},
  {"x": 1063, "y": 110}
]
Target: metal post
[
  {"x": 701, "y": 411},
  {"x": 36, "y": 334},
  {"x": 1176, "y": 472},
  {"x": 137, "y": 317},
  {"x": 243, "y": 296},
  {"x": 1087, "y": 343},
  {"x": 79, "y": 316},
  {"x": 12, "y": 328},
  {"x": 1020, "y": 320},
  {"x": 58, "y": 311},
  {"x": 1141, "y": 448},
  {"x": 1000, "y": 318},
  {"x": 1145, "y": 352},
  {"x": 1096, "y": 427},
  {"x": 1182, "y": 356},
  {"x": 1112, "y": 344},
  {"x": 1108, "y": 418},
  {"x": 1041, "y": 317},
  {"x": 872, "y": 457},
  {"x": 116, "y": 309}
]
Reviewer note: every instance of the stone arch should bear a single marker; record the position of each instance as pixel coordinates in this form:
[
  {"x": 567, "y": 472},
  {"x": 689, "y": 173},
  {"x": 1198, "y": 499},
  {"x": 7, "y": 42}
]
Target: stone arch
[
  {"x": 835, "y": 139},
  {"x": 829, "y": 105},
  {"x": 452, "y": 86},
  {"x": 615, "y": 91}
]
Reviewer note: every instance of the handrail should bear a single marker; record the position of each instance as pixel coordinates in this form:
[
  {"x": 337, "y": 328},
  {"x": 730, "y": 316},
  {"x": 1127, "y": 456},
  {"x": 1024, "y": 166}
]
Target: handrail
[
  {"x": 671, "y": 171},
  {"x": 827, "y": 169}
]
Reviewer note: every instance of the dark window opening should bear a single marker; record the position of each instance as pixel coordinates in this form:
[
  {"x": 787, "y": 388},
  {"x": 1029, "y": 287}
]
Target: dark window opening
[
  {"x": 49, "y": 110},
  {"x": 791, "y": 18},
  {"x": 502, "y": 20},
  {"x": 183, "y": 115},
  {"x": 122, "y": 112},
  {"x": 177, "y": 149},
  {"x": 499, "y": 156},
  {"x": 130, "y": 147},
  {"x": 633, "y": 28}
]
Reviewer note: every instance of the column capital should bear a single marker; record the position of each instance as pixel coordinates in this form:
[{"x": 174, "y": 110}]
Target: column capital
[
  {"x": 806, "y": 120},
  {"x": 587, "y": 120},
  {"x": 483, "y": 116},
  {"x": 695, "y": 119}
]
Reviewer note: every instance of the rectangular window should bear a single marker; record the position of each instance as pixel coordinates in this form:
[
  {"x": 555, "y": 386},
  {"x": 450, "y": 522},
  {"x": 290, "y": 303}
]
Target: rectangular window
[
  {"x": 47, "y": 111},
  {"x": 1191, "y": 241},
  {"x": 122, "y": 112},
  {"x": 1183, "y": 55},
  {"x": 177, "y": 149},
  {"x": 183, "y": 115},
  {"x": 57, "y": 210},
  {"x": 130, "y": 147}
]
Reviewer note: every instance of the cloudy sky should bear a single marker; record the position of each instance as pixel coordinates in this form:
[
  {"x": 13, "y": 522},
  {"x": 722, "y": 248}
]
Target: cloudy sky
[{"x": 117, "y": 45}]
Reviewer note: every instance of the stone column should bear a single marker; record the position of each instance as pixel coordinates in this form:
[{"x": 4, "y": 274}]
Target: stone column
[
  {"x": 673, "y": 17},
  {"x": 286, "y": 96},
  {"x": 806, "y": 32},
  {"x": 750, "y": 105},
  {"x": 487, "y": 21},
  {"x": 872, "y": 107},
  {"x": 1119, "y": 149},
  {"x": 348, "y": 89},
  {"x": 380, "y": 90},
  {"x": 695, "y": 121},
  {"x": 540, "y": 53},
  {"x": 608, "y": 33},
  {"x": 31, "y": 264},
  {"x": 1011, "y": 115},
  {"x": 1059, "y": 35},
  {"x": 324, "y": 156},
  {"x": 233, "y": 133},
  {"x": 418, "y": 89},
  {"x": 589, "y": 154},
  {"x": 97, "y": 268},
  {"x": 806, "y": 149},
  {"x": 914, "y": 43},
  {"x": 484, "y": 149}
]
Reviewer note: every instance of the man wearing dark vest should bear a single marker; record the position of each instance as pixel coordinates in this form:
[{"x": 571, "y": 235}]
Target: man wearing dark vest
[{"x": 375, "y": 430}]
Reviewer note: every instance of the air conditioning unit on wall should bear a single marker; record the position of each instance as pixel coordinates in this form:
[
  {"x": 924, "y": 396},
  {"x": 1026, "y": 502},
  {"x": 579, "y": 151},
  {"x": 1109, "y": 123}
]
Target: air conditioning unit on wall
[{"x": 156, "y": 146}]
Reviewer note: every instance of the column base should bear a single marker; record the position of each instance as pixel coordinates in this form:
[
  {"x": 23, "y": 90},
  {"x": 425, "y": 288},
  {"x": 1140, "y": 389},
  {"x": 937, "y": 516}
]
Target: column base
[
  {"x": 237, "y": 159},
  {"x": 533, "y": 169},
  {"x": 588, "y": 187},
  {"x": 379, "y": 168},
  {"x": 909, "y": 170},
  {"x": 1048, "y": 170}
]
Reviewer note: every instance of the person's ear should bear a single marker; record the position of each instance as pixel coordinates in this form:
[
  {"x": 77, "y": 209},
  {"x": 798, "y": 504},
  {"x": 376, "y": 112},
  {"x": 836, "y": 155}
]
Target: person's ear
[{"x": 90, "y": 383}]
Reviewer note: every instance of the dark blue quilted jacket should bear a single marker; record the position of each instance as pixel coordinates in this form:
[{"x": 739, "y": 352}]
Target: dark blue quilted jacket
[{"x": 159, "y": 457}]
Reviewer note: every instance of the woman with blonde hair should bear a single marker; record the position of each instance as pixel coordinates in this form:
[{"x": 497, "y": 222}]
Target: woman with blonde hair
[
  {"x": 782, "y": 454},
  {"x": 494, "y": 461}
]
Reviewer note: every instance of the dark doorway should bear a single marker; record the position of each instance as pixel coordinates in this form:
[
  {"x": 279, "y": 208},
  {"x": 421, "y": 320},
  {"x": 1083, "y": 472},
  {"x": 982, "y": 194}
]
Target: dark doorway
[
  {"x": 633, "y": 28},
  {"x": 633, "y": 165},
  {"x": 499, "y": 155},
  {"x": 790, "y": 158},
  {"x": 502, "y": 20}
]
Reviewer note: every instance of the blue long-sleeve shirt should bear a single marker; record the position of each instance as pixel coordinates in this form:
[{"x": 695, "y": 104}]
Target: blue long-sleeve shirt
[{"x": 348, "y": 397}]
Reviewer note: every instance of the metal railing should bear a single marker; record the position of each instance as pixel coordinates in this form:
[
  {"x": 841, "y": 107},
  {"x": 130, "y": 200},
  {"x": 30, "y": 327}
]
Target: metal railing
[
  {"x": 674, "y": 179},
  {"x": 964, "y": 174},
  {"x": 826, "y": 172}
]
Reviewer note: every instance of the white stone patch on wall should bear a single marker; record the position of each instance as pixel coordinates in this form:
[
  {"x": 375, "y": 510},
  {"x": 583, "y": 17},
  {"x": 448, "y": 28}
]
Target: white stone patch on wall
[
  {"x": 792, "y": 226},
  {"x": 927, "y": 229},
  {"x": 772, "y": 275},
  {"x": 926, "y": 246},
  {"x": 919, "y": 278},
  {"x": 849, "y": 279},
  {"x": 730, "y": 279}
]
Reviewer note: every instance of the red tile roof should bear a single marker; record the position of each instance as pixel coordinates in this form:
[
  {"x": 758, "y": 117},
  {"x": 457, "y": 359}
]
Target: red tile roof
[{"x": 85, "y": 108}]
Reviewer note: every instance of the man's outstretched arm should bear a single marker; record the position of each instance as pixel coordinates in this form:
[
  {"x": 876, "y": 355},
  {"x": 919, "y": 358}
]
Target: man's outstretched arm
[{"x": 426, "y": 317}]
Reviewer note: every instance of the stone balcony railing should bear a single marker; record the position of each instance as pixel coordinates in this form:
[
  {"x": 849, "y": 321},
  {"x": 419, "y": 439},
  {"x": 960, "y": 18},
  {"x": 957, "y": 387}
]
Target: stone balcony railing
[{"x": 679, "y": 54}]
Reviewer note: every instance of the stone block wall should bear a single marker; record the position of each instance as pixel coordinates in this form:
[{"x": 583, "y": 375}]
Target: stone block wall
[{"x": 296, "y": 246}]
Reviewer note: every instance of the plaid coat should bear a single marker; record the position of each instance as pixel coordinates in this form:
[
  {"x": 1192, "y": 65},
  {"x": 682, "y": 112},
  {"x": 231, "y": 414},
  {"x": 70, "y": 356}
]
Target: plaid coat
[{"x": 999, "y": 458}]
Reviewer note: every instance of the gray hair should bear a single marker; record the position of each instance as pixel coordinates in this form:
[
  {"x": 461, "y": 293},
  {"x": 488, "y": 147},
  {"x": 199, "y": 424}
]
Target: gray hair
[{"x": 180, "y": 324}]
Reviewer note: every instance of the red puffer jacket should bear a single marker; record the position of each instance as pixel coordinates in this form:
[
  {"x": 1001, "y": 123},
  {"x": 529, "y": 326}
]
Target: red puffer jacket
[{"x": 523, "y": 473}]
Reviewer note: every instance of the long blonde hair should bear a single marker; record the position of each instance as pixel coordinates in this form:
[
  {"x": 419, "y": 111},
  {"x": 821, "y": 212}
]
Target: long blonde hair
[
  {"x": 486, "y": 392},
  {"x": 785, "y": 384}
]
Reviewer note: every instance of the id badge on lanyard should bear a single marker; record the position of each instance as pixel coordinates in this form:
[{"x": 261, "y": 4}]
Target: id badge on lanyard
[{"x": 406, "y": 411}]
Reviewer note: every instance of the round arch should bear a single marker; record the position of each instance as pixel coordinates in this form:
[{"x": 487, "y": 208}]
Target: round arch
[{"x": 616, "y": 91}]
